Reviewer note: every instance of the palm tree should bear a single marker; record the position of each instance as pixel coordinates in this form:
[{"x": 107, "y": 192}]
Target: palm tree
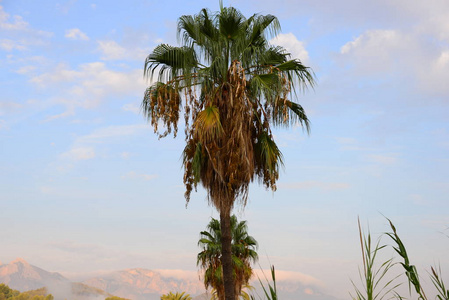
[
  {"x": 243, "y": 253},
  {"x": 233, "y": 85},
  {"x": 177, "y": 296}
]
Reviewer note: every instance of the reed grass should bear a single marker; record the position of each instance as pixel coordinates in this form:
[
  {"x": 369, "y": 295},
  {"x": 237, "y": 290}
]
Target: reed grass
[
  {"x": 269, "y": 289},
  {"x": 380, "y": 278},
  {"x": 374, "y": 279},
  {"x": 375, "y": 284}
]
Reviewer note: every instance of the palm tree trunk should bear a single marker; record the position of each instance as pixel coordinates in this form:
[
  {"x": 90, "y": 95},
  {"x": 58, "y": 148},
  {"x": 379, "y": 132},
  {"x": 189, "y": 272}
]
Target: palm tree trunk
[{"x": 226, "y": 258}]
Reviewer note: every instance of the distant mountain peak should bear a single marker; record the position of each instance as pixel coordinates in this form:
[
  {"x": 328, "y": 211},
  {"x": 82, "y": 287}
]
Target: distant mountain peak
[
  {"x": 142, "y": 284},
  {"x": 19, "y": 260},
  {"x": 22, "y": 276}
]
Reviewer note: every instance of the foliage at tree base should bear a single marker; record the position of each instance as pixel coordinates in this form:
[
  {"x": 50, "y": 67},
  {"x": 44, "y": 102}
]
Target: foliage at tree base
[{"x": 6, "y": 293}]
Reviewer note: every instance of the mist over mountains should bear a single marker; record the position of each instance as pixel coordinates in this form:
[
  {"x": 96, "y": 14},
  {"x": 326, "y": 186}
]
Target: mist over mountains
[
  {"x": 22, "y": 276},
  {"x": 142, "y": 284},
  {"x": 134, "y": 284}
]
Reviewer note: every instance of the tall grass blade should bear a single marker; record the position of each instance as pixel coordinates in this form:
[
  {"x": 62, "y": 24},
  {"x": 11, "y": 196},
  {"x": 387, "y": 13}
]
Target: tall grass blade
[
  {"x": 410, "y": 270},
  {"x": 376, "y": 285},
  {"x": 443, "y": 293}
]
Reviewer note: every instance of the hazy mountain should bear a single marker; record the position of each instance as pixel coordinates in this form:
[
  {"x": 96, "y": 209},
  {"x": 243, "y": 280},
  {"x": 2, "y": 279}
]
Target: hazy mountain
[
  {"x": 295, "y": 290},
  {"x": 142, "y": 284},
  {"x": 22, "y": 276},
  {"x": 134, "y": 284}
]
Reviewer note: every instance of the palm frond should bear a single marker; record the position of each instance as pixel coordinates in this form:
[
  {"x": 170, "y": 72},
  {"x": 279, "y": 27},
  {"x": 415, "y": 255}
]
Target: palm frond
[
  {"x": 271, "y": 158},
  {"x": 243, "y": 253},
  {"x": 297, "y": 72},
  {"x": 286, "y": 113},
  {"x": 172, "y": 62}
]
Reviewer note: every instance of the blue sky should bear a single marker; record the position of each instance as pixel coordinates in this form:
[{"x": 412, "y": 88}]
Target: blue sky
[{"x": 86, "y": 186}]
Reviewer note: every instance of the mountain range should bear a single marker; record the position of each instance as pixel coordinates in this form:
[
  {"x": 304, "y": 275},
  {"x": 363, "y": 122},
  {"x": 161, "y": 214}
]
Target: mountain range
[
  {"x": 134, "y": 284},
  {"x": 22, "y": 276},
  {"x": 142, "y": 284}
]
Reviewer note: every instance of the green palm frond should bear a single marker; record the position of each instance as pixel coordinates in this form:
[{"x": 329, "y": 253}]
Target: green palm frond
[
  {"x": 274, "y": 55},
  {"x": 243, "y": 248},
  {"x": 297, "y": 72},
  {"x": 171, "y": 62},
  {"x": 286, "y": 112},
  {"x": 197, "y": 163},
  {"x": 270, "y": 155},
  {"x": 230, "y": 22},
  {"x": 245, "y": 295},
  {"x": 176, "y": 296},
  {"x": 207, "y": 126}
]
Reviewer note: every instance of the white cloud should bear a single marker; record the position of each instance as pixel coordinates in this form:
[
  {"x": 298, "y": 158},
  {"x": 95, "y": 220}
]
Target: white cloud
[
  {"x": 87, "y": 86},
  {"x": 111, "y": 50},
  {"x": 434, "y": 76},
  {"x": 10, "y": 45},
  {"x": 125, "y": 155},
  {"x": 433, "y": 21},
  {"x": 86, "y": 147},
  {"x": 17, "y": 21},
  {"x": 377, "y": 51},
  {"x": 443, "y": 60},
  {"x": 178, "y": 274},
  {"x": 8, "y": 107},
  {"x": 383, "y": 159},
  {"x": 370, "y": 42},
  {"x": 76, "y": 34},
  {"x": 65, "y": 6},
  {"x": 291, "y": 276},
  {"x": 18, "y": 35},
  {"x": 293, "y": 45},
  {"x": 350, "y": 144},
  {"x": 401, "y": 56},
  {"x": 93, "y": 252},
  {"x": 47, "y": 189},
  {"x": 418, "y": 199},
  {"x": 111, "y": 132},
  {"x": 132, "y": 107},
  {"x": 3, "y": 125},
  {"x": 70, "y": 111},
  {"x": 135, "y": 175},
  {"x": 326, "y": 186},
  {"x": 80, "y": 153},
  {"x": 25, "y": 70}
]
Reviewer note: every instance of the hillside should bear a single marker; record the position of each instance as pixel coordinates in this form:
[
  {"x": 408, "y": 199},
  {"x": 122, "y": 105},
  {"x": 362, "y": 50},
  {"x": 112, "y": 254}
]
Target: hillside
[
  {"x": 31, "y": 280},
  {"x": 142, "y": 284},
  {"x": 20, "y": 275},
  {"x": 134, "y": 284}
]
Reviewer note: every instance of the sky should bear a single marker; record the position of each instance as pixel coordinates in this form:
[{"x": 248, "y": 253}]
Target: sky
[{"x": 86, "y": 186}]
